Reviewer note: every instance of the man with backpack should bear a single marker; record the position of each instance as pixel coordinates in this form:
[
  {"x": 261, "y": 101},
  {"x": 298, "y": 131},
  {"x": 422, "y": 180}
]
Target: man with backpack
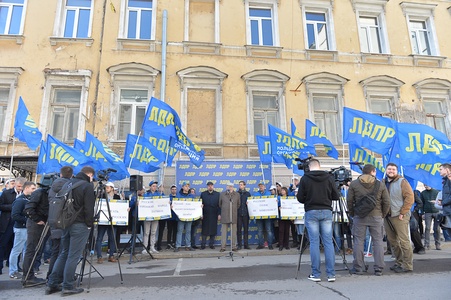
[
  {"x": 368, "y": 203},
  {"x": 74, "y": 236}
]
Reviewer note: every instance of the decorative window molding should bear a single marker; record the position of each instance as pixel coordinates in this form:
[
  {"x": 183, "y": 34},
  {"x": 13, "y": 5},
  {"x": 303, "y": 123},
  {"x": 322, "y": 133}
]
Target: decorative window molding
[
  {"x": 202, "y": 78},
  {"x": 9, "y": 77},
  {"x": 65, "y": 79},
  {"x": 265, "y": 83},
  {"x": 127, "y": 76},
  {"x": 325, "y": 93},
  {"x": 382, "y": 94}
]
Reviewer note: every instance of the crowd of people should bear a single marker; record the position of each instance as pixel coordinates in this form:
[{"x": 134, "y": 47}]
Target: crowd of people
[{"x": 387, "y": 210}]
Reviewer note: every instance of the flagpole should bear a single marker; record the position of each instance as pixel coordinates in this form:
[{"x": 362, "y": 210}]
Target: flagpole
[
  {"x": 134, "y": 149},
  {"x": 12, "y": 158},
  {"x": 164, "y": 167},
  {"x": 263, "y": 172}
]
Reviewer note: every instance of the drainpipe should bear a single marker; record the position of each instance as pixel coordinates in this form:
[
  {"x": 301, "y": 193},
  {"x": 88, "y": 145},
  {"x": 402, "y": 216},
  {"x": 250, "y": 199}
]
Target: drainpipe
[{"x": 163, "y": 55}]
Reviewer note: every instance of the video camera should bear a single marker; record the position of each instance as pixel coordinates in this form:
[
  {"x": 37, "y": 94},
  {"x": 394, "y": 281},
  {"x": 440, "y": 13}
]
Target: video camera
[
  {"x": 103, "y": 175},
  {"x": 303, "y": 163},
  {"x": 48, "y": 179},
  {"x": 341, "y": 175}
]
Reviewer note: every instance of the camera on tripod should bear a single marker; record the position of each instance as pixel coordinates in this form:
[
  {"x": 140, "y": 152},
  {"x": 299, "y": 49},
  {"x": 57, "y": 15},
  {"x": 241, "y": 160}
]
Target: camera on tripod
[
  {"x": 48, "y": 179},
  {"x": 341, "y": 175},
  {"x": 303, "y": 163},
  {"x": 103, "y": 175}
]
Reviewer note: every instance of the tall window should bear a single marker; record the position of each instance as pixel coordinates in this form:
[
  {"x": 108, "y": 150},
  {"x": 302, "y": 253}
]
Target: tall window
[
  {"x": 435, "y": 114},
  {"x": 317, "y": 31},
  {"x": 4, "y": 96},
  {"x": 77, "y": 17},
  {"x": 266, "y": 111},
  {"x": 139, "y": 19},
  {"x": 11, "y": 16},
  {"x": 370, "y": 34},
  {"x": 382, "y": 106},
  {"x": 326, "y": 115},
  {"x": 419, "y": 36},
  {"x": 132, "y": 108},
  {"x": 261, "y": 26},
  {"x": 65, "y": 108}
]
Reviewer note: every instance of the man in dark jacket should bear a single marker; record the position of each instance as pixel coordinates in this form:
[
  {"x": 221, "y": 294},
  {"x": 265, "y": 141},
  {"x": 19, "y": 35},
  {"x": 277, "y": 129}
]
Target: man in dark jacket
[
  {"x": 210, "y": 212},
  {"x": 242, "y": 226},
  {"x": 316, "y": 191},
  {"x": 428, "y": 197},
  {"x": 445, "y": 172},
  {"x": 74, "y": 237},
  {"x": 358, "y": 188},
  {"x": 6, "y": 223},
  {"x": 20, "y": 228}
]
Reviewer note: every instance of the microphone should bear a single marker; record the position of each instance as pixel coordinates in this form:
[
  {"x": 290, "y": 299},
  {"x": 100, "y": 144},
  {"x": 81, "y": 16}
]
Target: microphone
[
  {"x": 111, "y": 170},
  {"x": 356, "y": 163}
]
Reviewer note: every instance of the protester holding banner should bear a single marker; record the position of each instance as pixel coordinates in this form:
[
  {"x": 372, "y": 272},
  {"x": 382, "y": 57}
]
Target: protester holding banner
[
  {"x": 317, "y": 190},
  {"x": 101, "y": 229},
  {"x": 151, "y": 227},
  {"x": 267, "y": 223},
  {"x": 210, "y": 215},
  {"x": 243, "y": 218},
  {"x": 397, "y": 222},
  {"x": 284, "y": 225},
  {"x": 184, "y": 225},
  {"x": 229, "y": 201}
]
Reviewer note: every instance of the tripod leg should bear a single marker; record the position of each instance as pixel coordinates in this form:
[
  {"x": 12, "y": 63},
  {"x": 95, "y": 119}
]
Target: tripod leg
[
  {"x": 301, "y": 250},
  {"x": 38, "y": 247}
]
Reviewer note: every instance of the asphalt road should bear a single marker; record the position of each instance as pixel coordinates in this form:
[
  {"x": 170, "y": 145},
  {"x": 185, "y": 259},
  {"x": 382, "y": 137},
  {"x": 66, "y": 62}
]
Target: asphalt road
[{"x": 251, "y": 275}]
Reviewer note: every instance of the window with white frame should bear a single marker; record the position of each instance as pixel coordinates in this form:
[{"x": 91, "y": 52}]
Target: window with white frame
[
  {"x": 262, "y": 23},
  {"x": 132, "y": 108},
  {"x": 140, "y": 19},
  {"x": 201, "y": 103},
  {"x": 9, "y": 77},
  {"x": 435, "y": 95},
  {"x": 265, "y": 101},
  {"x": 318, "y": 24},
  {"x": 64, "y": 105},
  {"x": 325, "y": 97},
  {"x": 133, "y": 86},
  {"x": 382, "y": 95},
  {"x": 202, "y": 21},
  {"x": 12, "y": 14},
  {"x": 77, "y": 18},
  {"x": 65, "y": 113},
  {"x": 420, "y": 22}
]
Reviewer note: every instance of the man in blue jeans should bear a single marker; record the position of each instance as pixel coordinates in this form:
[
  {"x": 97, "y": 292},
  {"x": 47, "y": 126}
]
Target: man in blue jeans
[
  {"x": 317, "y": 190},
  {"x": 74, "y": 237}
]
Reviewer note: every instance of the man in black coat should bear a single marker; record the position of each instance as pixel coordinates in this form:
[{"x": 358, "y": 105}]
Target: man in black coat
[
  {"x": 74, "y": 237},
  {"x": 6, "y": 223},
  {"x": 243, "y": 217},
  {"x": 210, "y": 212}
]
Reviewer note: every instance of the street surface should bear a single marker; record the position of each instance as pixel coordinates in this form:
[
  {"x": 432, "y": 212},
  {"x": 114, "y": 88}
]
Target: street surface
[{"x": 253, "y": 274}]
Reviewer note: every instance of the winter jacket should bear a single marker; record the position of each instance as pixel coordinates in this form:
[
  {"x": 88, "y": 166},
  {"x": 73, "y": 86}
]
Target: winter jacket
[
  {"x": 242, "y": 210},
  {"x": 38, "y": 207},
  {"x": 317, "y": 190},
  {"x": 364, "y": 185},
  {"x": 401, "y": 196},
  {"x": 446, "y": 196},
  {"x": 426, "y": 197},
  {"x": 84, "y": 199},
  {"x": 17, "y": 213}
]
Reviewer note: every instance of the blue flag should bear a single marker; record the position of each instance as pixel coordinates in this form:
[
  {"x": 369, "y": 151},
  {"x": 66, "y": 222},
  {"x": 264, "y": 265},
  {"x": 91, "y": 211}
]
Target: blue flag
[
  {"x": 162, "y": 144},
  {"x": 426, "y": 173},
  {"x": 393, "y": 155},
  {"x": 161, "y": 119},
  {"x": 367, "y": 130},
  {"x": 360, "y": 155},
  {"x": 142, "y": 155},
  {"x": 25, "y": 129},
  {"x": 59, "y": 154},
  {"x": 264, "y": 149},
  {"x": 421, "y": 144},
  {"x": 314, "y": 135},
  {"x": 41, "y": 167},
  {"x": 79, "y": 145},
  {"x": 185, "y": 145},
  {"x": 288, "y": 146},
  {"x": 104, "y": 158}
]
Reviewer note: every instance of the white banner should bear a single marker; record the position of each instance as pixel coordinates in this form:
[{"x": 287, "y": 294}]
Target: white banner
[
  {"x": 262, "y": 207},
  {"x": 291, "y": 209},
  {"x": 119, "y": 212},
  {"x": 187, "y": 209},
  {"x": 154, "y": 208}
]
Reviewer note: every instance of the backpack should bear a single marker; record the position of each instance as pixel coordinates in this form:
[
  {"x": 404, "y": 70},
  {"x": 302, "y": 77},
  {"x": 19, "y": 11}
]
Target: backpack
[
  {"x": 62, "y": 213},
  {"x": 364, "y": 205}
]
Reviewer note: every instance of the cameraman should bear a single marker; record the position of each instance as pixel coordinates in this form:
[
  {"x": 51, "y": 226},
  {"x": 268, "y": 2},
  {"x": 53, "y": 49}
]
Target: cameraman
[{"x": 317, "y": 190}]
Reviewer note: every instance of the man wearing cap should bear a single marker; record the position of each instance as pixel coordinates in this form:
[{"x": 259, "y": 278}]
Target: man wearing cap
[
  {"x": 229, "y": 201},
  {"x": 264, "y": 222},
  {"x": 151, "y": 226},
  {"x": 210, "y": 213},
  {"x": 184, "y": 225},
  {"x": 101, "y": 229}
]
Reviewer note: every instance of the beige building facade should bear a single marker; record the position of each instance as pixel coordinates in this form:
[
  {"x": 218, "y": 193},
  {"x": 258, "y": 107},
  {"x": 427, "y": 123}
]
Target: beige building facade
[{"x": 229, "y": 67}]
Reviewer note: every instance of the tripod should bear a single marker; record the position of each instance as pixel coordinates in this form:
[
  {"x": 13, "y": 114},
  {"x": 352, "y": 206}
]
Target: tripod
[
  {"x": 38, "y": 247},
  {"x": 84, "y": 259},
  {"x": 131, "y": 244}
]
